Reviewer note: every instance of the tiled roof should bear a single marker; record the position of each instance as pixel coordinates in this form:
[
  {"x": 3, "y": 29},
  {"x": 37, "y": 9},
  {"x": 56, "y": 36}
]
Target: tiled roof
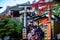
[
  {"x": 15, "y": 7},
  {"x": 54, "y": 17}
]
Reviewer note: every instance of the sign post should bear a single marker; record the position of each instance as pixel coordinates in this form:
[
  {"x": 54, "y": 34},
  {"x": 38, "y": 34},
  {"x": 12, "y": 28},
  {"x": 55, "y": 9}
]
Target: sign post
[{"x": 24, "y": 33}]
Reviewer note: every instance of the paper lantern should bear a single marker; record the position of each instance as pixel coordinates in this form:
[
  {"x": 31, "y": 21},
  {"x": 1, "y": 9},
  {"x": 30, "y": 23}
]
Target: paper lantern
[{"x": 45, "y": 21}]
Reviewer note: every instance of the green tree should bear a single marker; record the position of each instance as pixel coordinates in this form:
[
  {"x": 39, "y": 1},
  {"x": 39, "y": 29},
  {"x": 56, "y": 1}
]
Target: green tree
[
  {"x": 10, "y": 26},
  {"x": 57, "y": 10}
]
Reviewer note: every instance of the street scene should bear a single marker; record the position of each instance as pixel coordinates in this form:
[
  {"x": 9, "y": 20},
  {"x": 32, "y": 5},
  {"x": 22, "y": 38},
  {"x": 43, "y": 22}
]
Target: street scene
[{"x": 30, "y": 20}]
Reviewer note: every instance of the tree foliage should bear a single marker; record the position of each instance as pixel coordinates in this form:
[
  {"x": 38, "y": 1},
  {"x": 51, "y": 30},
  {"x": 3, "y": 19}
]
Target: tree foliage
[
  {"x": 57, "y": 10},
  {"x": 9, "y": 26}
]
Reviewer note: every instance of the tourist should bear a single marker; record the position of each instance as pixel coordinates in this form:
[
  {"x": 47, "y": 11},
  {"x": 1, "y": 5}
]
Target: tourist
[
  {"x": 29, "y": 36},
  {"x": 37, "y": 36}
]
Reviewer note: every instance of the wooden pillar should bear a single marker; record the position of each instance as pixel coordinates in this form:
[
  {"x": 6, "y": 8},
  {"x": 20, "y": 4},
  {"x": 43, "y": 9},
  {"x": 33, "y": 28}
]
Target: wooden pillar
[
  {"x": 49, "y": 23},
  {"x": 52, "y": 29}
]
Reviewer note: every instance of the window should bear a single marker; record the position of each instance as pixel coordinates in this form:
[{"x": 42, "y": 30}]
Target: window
[
  {"x": 16, "y": 14},
  {"x": 22, "y": 8},
  {"x": 28, "y": 8}
]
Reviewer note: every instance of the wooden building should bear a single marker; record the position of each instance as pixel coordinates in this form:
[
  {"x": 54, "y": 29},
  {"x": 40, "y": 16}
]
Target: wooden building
[{"x": 51, "y": 30}]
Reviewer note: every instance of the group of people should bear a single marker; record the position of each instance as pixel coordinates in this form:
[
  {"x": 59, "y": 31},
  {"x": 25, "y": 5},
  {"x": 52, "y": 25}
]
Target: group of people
[{"x": 34, "y": 33}]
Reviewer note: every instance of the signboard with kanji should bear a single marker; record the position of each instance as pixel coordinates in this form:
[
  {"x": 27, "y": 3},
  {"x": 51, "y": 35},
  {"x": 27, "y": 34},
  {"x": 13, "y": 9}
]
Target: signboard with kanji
[{"x": 24, "y": 33}]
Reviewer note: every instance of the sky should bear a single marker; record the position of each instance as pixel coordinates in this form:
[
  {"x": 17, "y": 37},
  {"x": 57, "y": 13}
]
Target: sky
[{"x": 5, "y": 3}]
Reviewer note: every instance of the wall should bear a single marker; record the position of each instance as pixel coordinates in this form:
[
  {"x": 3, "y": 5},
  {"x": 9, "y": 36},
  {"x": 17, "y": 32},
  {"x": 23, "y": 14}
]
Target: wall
[
  {"x": 56, "y": 28},
  {"x": 46, "y": 28}
]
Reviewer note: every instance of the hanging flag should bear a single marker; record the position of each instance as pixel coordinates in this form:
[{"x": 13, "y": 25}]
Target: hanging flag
[
  {"x": 41, "y": 5},
  {"x": 34, "y": 4},
  {"x": 42, "y": 9}
]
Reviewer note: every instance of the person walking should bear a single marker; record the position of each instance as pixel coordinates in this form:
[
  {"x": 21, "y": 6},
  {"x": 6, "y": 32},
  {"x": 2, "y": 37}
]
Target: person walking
[
  {"x": 39, "y": 30},
  {"x": 29, "y": 36},
  {"x": 32, "y": 32},
  {"x": 37, "y": 36}
]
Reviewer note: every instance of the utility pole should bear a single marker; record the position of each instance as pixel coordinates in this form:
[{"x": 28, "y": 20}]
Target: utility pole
[
  {"x": 24, "y": 29},
  {"x": 25, "y": 17}
]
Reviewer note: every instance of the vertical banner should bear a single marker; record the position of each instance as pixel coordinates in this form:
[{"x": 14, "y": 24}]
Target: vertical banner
[{"x": 24, "y": 33}]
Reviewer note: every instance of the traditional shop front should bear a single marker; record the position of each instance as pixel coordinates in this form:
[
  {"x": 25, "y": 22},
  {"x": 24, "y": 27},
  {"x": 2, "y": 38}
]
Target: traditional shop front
[{"x": 51, "y": 29}]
